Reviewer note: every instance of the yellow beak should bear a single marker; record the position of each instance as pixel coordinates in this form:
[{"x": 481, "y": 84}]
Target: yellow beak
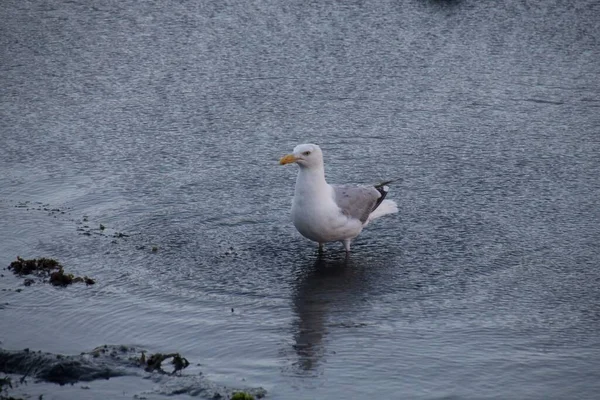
[{"x": 288, "y": 159}]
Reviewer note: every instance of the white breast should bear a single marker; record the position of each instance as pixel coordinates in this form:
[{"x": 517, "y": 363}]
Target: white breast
[{"x": 318, "y": 218}]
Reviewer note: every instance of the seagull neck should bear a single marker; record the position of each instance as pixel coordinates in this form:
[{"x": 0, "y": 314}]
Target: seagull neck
[{"x": 310, "y": 179}]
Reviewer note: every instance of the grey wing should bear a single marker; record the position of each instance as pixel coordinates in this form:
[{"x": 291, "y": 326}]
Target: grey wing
[{"x": 356, "y": 201}]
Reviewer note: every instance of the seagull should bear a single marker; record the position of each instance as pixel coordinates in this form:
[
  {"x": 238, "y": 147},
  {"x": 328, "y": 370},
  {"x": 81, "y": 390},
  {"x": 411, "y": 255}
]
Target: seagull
[{"x": 332, "y": 213}]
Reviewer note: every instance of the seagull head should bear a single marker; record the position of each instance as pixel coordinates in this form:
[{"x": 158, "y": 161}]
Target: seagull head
[{"x": 305, "y": 155}]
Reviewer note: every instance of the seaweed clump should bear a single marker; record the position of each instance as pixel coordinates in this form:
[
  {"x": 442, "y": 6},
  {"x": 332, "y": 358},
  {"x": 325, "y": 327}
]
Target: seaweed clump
[
  {"x": 46, "y": 268},
  {"x": 59, "y": 278},
  {"x": 242, "y": 396},
  {"x": 35, "y": 266},
  {"x": 154, "y": 362},
  {"x": 57, "y": 368}
]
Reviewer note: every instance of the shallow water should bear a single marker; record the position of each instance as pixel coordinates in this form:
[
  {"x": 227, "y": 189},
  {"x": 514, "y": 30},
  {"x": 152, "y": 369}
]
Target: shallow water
[{"x": 165, "y": 122}]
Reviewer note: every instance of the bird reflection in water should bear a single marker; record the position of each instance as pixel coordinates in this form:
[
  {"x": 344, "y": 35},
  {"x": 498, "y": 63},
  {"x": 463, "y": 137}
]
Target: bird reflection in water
[{"x": 327, "y": 287}]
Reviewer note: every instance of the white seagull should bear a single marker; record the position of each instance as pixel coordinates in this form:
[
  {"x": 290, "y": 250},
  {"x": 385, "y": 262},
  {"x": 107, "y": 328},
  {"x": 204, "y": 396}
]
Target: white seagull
[{"x": 332, "y": 213}]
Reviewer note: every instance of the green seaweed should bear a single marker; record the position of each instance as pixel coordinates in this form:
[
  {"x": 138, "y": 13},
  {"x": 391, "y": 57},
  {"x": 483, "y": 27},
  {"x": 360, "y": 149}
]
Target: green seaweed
[{"x": 242, "y": 396}]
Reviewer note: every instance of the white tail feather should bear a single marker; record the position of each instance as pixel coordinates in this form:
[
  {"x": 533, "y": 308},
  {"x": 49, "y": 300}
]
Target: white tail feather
[{"x": 386, "y": 207}]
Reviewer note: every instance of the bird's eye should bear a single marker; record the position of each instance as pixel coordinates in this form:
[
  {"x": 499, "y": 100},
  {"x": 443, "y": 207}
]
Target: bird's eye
[{"x": 306, "y": 153}]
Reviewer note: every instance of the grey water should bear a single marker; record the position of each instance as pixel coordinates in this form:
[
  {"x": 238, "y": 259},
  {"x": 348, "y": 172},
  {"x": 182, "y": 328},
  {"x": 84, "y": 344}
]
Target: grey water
[{"x": 164, "y": 121}]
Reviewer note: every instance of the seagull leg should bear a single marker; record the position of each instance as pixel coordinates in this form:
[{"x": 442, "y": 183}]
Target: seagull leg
[
  {"x": 320, "y": 247},
  {"x": 347, "y": 245}
]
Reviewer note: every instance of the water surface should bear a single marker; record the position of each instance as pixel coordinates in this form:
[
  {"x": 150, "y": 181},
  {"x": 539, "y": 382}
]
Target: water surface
[{"x": 164, "y": 121}]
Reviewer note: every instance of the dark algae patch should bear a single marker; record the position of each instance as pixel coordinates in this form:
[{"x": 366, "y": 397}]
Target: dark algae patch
[
  {"x": 47, "y": 270},
  {"x": 59, "y": 278},
  {"x": 110, "y": 361},
  {"x": 58, "y": 368},
  {"x": 36, "y": 266},
  {"x": 154, "y": 362}
]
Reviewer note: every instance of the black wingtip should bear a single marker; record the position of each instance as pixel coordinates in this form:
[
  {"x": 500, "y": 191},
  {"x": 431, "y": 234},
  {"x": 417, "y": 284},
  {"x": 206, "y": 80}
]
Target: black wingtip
[
  {"x": 383, "y": 190},
  {"x": 382, "y": 184}
]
